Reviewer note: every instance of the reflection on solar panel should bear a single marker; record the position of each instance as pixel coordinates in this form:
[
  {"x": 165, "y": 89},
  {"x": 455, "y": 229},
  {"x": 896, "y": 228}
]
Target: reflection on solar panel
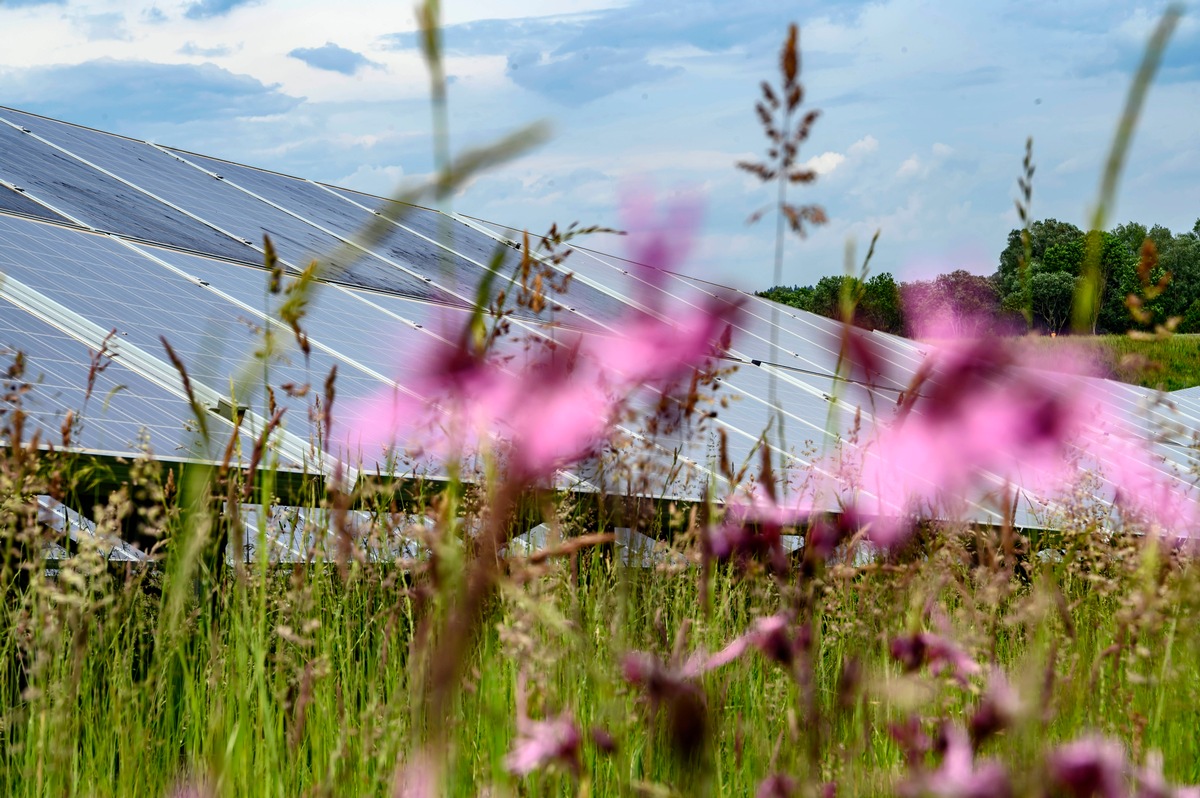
[{"x": 112, "y": 243}]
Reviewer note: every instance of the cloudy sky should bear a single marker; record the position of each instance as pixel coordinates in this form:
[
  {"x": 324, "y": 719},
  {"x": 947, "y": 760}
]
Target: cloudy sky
[{"x": 925, "y": 107}]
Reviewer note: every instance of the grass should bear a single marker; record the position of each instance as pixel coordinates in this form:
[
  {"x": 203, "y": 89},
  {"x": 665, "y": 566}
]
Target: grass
[
  {"x": 305, "y": 680},
  {"x": 1169, "y": 364}
]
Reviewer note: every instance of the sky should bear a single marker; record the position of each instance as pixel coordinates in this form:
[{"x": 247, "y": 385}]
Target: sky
[{"x": 925, "y": 109}]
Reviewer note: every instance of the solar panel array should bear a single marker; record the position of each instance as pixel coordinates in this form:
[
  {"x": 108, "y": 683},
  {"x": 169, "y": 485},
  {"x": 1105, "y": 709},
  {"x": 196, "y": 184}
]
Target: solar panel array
[{"x": 112, "y": 243}]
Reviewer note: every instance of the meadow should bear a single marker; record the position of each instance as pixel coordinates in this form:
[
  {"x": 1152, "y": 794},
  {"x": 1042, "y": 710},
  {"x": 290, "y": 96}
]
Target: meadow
[
  {"x": 1170, "y": 363},
  {"x": 886, "y": 653}
]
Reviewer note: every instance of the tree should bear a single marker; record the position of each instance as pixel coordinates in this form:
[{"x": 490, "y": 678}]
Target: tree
[
  {"x": 967, "y": 303},
  {"x": 876, "y": 301},
  {"x": 1044, "y": 235},
  {"x": 1052, "y": 294},
  {"x": 880, "y": 305}
]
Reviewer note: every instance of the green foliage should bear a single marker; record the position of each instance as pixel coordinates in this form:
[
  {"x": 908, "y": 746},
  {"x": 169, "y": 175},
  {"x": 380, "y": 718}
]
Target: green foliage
[
  {"x": 988, "y": 305},
  {"x": 877, "y": 300},
  {"x": 1051, "y": 294}
]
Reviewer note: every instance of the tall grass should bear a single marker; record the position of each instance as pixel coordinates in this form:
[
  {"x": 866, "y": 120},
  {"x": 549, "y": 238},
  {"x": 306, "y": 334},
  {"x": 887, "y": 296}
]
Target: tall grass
[{"x": 1171, "y": 363}]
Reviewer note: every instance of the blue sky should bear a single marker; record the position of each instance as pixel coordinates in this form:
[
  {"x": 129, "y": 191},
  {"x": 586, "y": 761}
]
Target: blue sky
[{"x": 925, "y": 107}]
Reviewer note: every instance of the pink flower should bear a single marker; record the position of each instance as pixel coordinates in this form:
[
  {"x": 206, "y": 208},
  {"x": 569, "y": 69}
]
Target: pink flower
[
  {"x": 959, "y": 775},
  {"x": 547, "y": 406},
  {"x": 939, "y": 653},
  {"x": 1089, "y": 767},
  {"x": 658, "y": 244},
  {"x": 777, "y": 785},
  {"x": 660, "y": 352},
  {"x": 417, "y": 778},
  {"x": 775, "y": 636},
  {"x": 1151, "y": 784},
  {"x": 545, "y": 743},
  {"x": 997, "y": 711},
  {"x": 980, "y": 419}
]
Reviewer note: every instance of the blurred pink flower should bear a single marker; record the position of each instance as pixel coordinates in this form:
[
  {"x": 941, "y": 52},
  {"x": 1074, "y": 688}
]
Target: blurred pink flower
[
  {"x": 1151, "y": 784},
  {"x": 545, "y": 743},
  {"x": 416, "y": 778},
  {"x": 960, "y": 776},
  {"x": 654, "y": 351},
  {"x": 776, "y": 636},
  {"x": 1092, "y": 766},
  {"x": 658, "y": 243},
  {"x": 777, "y": 785},
  {"x": 997, "y": 710},
  {"x": 548, "y": 406},
  {"x": 939, "y": 653},
  {"x": 982, "y": 418}
]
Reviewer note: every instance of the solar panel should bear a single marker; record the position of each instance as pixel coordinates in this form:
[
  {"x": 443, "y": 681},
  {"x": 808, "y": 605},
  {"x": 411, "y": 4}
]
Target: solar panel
[
  {"x": 350, "y": 221},
  {"x": 223, "y": 206},
  {"x": 482, "y": 250},
  {"x": 125, "y": 412},
  {"x": 176, "y": 263},
  {"x": 212, "y": 336},
  {"x": 15, "y": 201},
  {"x": 102, "y": 202},
  {"x": 335, "y": 316}
]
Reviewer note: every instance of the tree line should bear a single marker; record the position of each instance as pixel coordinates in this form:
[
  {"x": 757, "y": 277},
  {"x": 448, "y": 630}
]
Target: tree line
[{"x": 1150, "y": 279}]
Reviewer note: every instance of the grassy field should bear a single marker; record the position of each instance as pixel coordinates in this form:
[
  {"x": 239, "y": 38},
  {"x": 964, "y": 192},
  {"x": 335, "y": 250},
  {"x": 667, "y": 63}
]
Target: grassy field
[
  {"x": 1169, "y": 364},
  {"x": 311, "y": 680}
]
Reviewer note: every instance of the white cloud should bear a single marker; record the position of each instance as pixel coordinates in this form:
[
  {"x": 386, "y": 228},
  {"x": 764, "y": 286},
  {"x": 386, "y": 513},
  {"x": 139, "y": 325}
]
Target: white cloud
[
  {"x": 910, "y": 167},
  {"x": 864, "y": 146},
  {"x": 942, "y": 150},
  {"x": 379, "y": 180},
  {"x": 825, "y": 163}
]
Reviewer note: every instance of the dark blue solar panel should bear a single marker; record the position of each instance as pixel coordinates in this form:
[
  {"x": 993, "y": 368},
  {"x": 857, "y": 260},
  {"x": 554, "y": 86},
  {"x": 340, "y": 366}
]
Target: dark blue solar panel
[
  {"x": 482, "y": 249},
  {"x": 350, "y": 221},
  {"x": 222, "y": 205},
  {"x": 122, "y": 405},
  {"x": 17, "y": 202},
  {"x": 101, "y": 201}
]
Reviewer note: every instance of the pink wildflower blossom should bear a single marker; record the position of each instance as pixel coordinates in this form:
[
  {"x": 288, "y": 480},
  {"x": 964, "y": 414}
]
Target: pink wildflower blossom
[
  {"x": 981, "y": 418},
  {"x": 1151, "y": 784},
  {"x": 544, "y": 743},
  {"x": 658, "y": 243},
  {"x": 939, "y": 653},
  {"x": 547, "y": 407},
  {"x": 776, "y": 636},
  {"x": 960, "y": 776},
  {"x": 1089, "y": 767}
]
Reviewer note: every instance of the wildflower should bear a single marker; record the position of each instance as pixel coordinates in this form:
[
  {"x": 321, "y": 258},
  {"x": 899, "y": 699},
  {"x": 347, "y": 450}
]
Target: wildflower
[
  {"x": 658, "y": 244},
  {"x": 939, "y": 653},
  {"x": 774, "y": 636},
  {"x": 979, "y": 417},
  {"x": 911, "y": 738},
  {"x": 997, "y": 711},
  {"x": 604, "y": 742},
  {"x": 753, "y": 529},
  {"x": 1151, "y": 784},
  {"x": 777, "y": 785},
  {"x": 549, "y": 406},
  {"x": 959, "y": 775},
  {"x": 417, "y": 778},
  {"x": 673, "y": 692},
  {"x": 659, "y": 352},
  {"x": 1092, "y": 766},
  {"x": 543, "y": 743}
]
